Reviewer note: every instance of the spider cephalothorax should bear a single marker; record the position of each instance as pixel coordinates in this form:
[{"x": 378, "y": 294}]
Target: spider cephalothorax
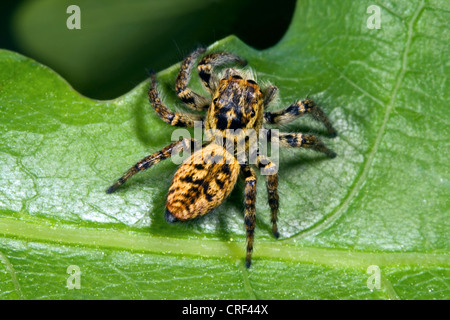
[{"x": 237, "y": 105}]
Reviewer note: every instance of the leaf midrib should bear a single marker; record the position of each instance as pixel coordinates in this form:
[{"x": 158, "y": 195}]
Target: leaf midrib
[{"x": 209, "y": 248}]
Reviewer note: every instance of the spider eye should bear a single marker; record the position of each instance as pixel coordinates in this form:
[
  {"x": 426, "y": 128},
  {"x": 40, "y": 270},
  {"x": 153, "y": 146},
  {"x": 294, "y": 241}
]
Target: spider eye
[
  {"x": 236, "y": 76},
  {"x": 251, "y": 81}
]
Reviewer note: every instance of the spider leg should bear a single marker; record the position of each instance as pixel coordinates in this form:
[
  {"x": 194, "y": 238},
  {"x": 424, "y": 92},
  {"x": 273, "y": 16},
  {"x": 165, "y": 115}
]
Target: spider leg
[
  {"x": 189, "y": 97},
  {"x": 147, "y": 162},
  {"x": 299, "y": 109},
  {"x": 269, "y": 93},
  {"x": 206, "y": 65},
  {"x": 249, "y": 216},
  {"x": 300, "y": 140},
  {"x": 269, "y": 169},
  {"x": 173, "y": 118}
]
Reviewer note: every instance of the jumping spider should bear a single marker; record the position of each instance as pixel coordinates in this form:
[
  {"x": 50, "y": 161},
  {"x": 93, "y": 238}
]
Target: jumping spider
[{"x": 199, "y": 185}]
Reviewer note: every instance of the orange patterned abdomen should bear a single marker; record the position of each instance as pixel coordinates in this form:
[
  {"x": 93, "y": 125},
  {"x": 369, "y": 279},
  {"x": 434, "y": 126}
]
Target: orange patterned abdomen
[{"x": 202, "y": 183}]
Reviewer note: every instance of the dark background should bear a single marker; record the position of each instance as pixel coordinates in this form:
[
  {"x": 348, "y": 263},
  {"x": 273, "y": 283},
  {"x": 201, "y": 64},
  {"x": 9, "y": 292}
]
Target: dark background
[{"x": 120, "y": 39}]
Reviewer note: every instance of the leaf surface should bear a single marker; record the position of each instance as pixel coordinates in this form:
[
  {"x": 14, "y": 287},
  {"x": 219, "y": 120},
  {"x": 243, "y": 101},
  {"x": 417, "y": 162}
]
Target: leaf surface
[{"x": 383, "y": 201}]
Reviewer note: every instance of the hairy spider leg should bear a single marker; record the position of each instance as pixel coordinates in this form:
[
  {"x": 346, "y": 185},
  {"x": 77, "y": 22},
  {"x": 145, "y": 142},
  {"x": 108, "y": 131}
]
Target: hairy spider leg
[
  {"x": 173, "y": 118},
  {"x": 299, "y": 109},
  {"x": 270, "y": 171},
  {"x": 190, "y": 98},
  {"x": 270, "y": 93},
  {"x": 300, "y": 140},
  {"x": 207, "y": 63},
  {"x": 147, "y": 162},
  {"x": 249, "y": 213}
]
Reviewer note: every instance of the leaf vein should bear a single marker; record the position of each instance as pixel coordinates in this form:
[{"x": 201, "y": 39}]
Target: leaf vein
[
  {"x": 359, "y": 183},
  {"x": 12, "y": 272}
]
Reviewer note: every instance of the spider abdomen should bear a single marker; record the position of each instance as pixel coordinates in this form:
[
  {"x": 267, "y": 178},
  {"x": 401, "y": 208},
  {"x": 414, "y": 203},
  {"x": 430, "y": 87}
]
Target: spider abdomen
[{"x": 201, "y": 183}]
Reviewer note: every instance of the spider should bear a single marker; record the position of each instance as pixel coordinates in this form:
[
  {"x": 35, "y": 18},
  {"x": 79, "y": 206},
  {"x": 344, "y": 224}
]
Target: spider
[{"x": 238, "y": 102}]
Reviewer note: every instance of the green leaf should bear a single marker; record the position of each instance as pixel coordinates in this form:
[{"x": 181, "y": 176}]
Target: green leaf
[{"x": 382, "y": 202}]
